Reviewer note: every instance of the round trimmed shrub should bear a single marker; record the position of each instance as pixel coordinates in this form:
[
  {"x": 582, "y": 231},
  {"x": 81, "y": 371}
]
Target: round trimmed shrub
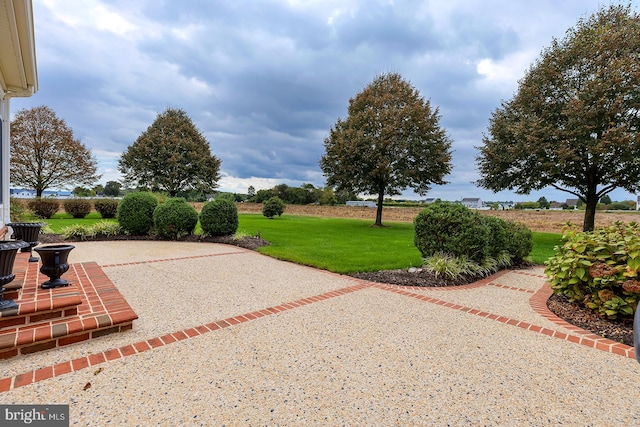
[
  {"x": 43, "y": 208},
  {"x": 498, "y": 235},
  {"x": 219, "y": 218},
  {"x": 135, "y": 212},
  {"x": 175, "y": 218},
  {"x": 453, "y": 229},
  {"x": 78, "y": 208},
  {"x": 106, "y": 207},
  {"x": 519, "y": 240},
  {"x": 272, "y": 207}
]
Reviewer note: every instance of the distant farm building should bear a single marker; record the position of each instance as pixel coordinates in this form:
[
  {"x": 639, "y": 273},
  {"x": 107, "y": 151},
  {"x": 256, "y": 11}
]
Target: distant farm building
[
  {"x": 571, "y": 203},
  {"x": 367, "y": 204},
  {"x": 472, "y": 202},
  {"x": 21, "y": 193}
]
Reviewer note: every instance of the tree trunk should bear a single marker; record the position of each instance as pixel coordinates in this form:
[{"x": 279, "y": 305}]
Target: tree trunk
[
  {"x": 591, "y": 203},
  {"x": 379, "y": 210}
]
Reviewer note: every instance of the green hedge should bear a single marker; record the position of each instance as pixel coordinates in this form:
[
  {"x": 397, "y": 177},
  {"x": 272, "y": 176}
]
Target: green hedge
[
  {"x": 135, "y": 212},
  {"x": 219, "y": 217},
  {"x": 175, "y": 218}
]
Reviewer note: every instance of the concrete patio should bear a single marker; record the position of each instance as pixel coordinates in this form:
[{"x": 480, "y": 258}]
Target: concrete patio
[{"x": 226, "y": 336}]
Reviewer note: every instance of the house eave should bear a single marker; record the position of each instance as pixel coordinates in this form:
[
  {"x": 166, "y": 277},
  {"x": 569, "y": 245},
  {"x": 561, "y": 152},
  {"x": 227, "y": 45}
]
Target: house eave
[{"x": 18, "y": 72}]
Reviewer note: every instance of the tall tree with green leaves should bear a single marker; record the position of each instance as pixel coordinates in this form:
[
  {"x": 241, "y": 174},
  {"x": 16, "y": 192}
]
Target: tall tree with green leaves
[
  {"x": 112, "y": 189},
  {"x": 45, "y": 154},
  {"x": 172, "y": 156},
  {"x": 544, "y": 203},
  {"x": 573, "y": 123},
  {"x": 390, "y": 140}
]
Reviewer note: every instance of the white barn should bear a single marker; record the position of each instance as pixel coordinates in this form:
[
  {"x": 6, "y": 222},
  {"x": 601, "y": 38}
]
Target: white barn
[{"x": 472, "y": 202}]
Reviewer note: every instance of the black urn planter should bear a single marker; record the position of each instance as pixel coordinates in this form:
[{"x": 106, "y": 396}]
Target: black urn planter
[
  {"x": 8, "y": 251},
  {"x": 28, "y": 232},
  {"x": 54, "y": 264}
]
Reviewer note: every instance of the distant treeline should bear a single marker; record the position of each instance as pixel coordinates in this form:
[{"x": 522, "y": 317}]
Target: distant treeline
[{"x": 303, "y": 195}]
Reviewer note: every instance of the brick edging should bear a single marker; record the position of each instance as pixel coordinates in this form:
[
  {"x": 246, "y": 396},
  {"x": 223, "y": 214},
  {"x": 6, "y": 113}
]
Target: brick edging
[
  {"x": 41, "y": 374},
  {"x": 538, "y": 303}
]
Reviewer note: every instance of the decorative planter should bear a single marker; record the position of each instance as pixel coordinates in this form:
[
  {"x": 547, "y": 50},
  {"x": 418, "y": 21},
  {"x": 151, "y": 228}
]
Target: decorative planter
[
  {"x": 29, "y": 232},
  {"x": 8, "y": 251},
  {"x": 54, "y": 264}
]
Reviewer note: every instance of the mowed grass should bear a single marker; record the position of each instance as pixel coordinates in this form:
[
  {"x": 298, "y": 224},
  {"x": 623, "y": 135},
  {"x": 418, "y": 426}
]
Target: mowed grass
[
  {"x": 340, "y": 245},
  {"x": 543, "y": 246},
  {"x": 61, "y": 220},
  {"x": 336, "y": 244}
]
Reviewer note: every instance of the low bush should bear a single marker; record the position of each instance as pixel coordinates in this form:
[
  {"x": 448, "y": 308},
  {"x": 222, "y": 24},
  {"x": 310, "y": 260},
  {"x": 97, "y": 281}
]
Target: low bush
[
  {"x": 108, "y": 208},
  {"x": 175, "y": 218},
  {"x": 43, "y": 208},
  {"x": 97, "y": 230},
  {"x": 106, "y": 229},
  {"x": 451, "y": 228},
  {"x": 219, "y": 217},
  {"x": 451, "y": 267},
  {"x": 272, "y": 207},
  {"x": 599, "y": 269},
  {"x": 78, "y": 232},
  {"x": 135, "y": 212},
  {"x": 18, "y": 210},
  {"x": 77, "y": 208}
]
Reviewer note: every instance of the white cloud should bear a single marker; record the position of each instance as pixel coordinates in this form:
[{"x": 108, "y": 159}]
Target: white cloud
[
  {"x": 503, "y": 75},
  {"x": 89, "y": 14},
  {"x": 260, "y": 78}
]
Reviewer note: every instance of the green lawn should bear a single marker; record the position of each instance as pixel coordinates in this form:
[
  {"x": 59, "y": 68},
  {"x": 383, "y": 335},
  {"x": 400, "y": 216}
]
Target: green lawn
[
  {"x": 336, "y": 244},
  {"x": 62, "y": 220},
  {"x": 543, "y": 244}
]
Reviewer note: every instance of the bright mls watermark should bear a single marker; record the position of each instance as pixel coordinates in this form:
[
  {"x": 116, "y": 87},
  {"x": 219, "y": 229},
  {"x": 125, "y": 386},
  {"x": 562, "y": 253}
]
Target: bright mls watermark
[{"x": 34, "y": 415}]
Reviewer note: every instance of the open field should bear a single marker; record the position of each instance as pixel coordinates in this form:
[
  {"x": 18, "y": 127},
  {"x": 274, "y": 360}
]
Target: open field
[
  {"x": 536, "y": 220},
  {"x": 543, "y": 220}
]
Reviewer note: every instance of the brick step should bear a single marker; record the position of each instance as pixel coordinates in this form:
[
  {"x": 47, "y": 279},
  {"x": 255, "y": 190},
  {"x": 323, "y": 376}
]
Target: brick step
[
  {"x": 27, "y": 312},
  {"x": 12, "y": 289},
  {"x": 36, "y": 304},
  {"x": 90, "y": 307},
  {"x": 56, "y": 333}
]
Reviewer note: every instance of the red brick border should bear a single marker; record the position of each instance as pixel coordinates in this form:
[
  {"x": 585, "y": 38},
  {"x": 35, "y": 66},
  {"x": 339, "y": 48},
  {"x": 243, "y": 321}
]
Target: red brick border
[
  {"x": 538, "y": 303},
  {"x": 26, "y": 378}
]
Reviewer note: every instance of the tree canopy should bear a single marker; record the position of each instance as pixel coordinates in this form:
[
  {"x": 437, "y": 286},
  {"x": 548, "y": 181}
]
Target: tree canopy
[
  {"x": 390, "y": 140},
  {"x": 171, "y": 155},
  {"x": 44, "y": 153},
  {"x": 112, "y": 189},
  {"x": 573, "y": 123}
]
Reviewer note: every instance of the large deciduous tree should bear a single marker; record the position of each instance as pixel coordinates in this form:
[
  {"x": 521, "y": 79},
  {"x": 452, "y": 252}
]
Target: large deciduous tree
[
  {"x": 171, "y": 155},
  {"x": 390, "y": 140},
  {"x": 573, "y": 123},
  {"x": 112, "y": 189},
  {"x": 44, "y": 153}
]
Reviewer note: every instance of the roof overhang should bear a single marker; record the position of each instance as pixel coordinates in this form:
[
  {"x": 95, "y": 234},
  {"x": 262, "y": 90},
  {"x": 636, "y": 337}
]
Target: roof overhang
[{"x": 18, "y": 73}]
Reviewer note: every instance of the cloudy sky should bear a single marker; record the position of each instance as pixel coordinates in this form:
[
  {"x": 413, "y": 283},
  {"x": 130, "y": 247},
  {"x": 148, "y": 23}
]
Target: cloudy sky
[{"x": 264, "y": 80}]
